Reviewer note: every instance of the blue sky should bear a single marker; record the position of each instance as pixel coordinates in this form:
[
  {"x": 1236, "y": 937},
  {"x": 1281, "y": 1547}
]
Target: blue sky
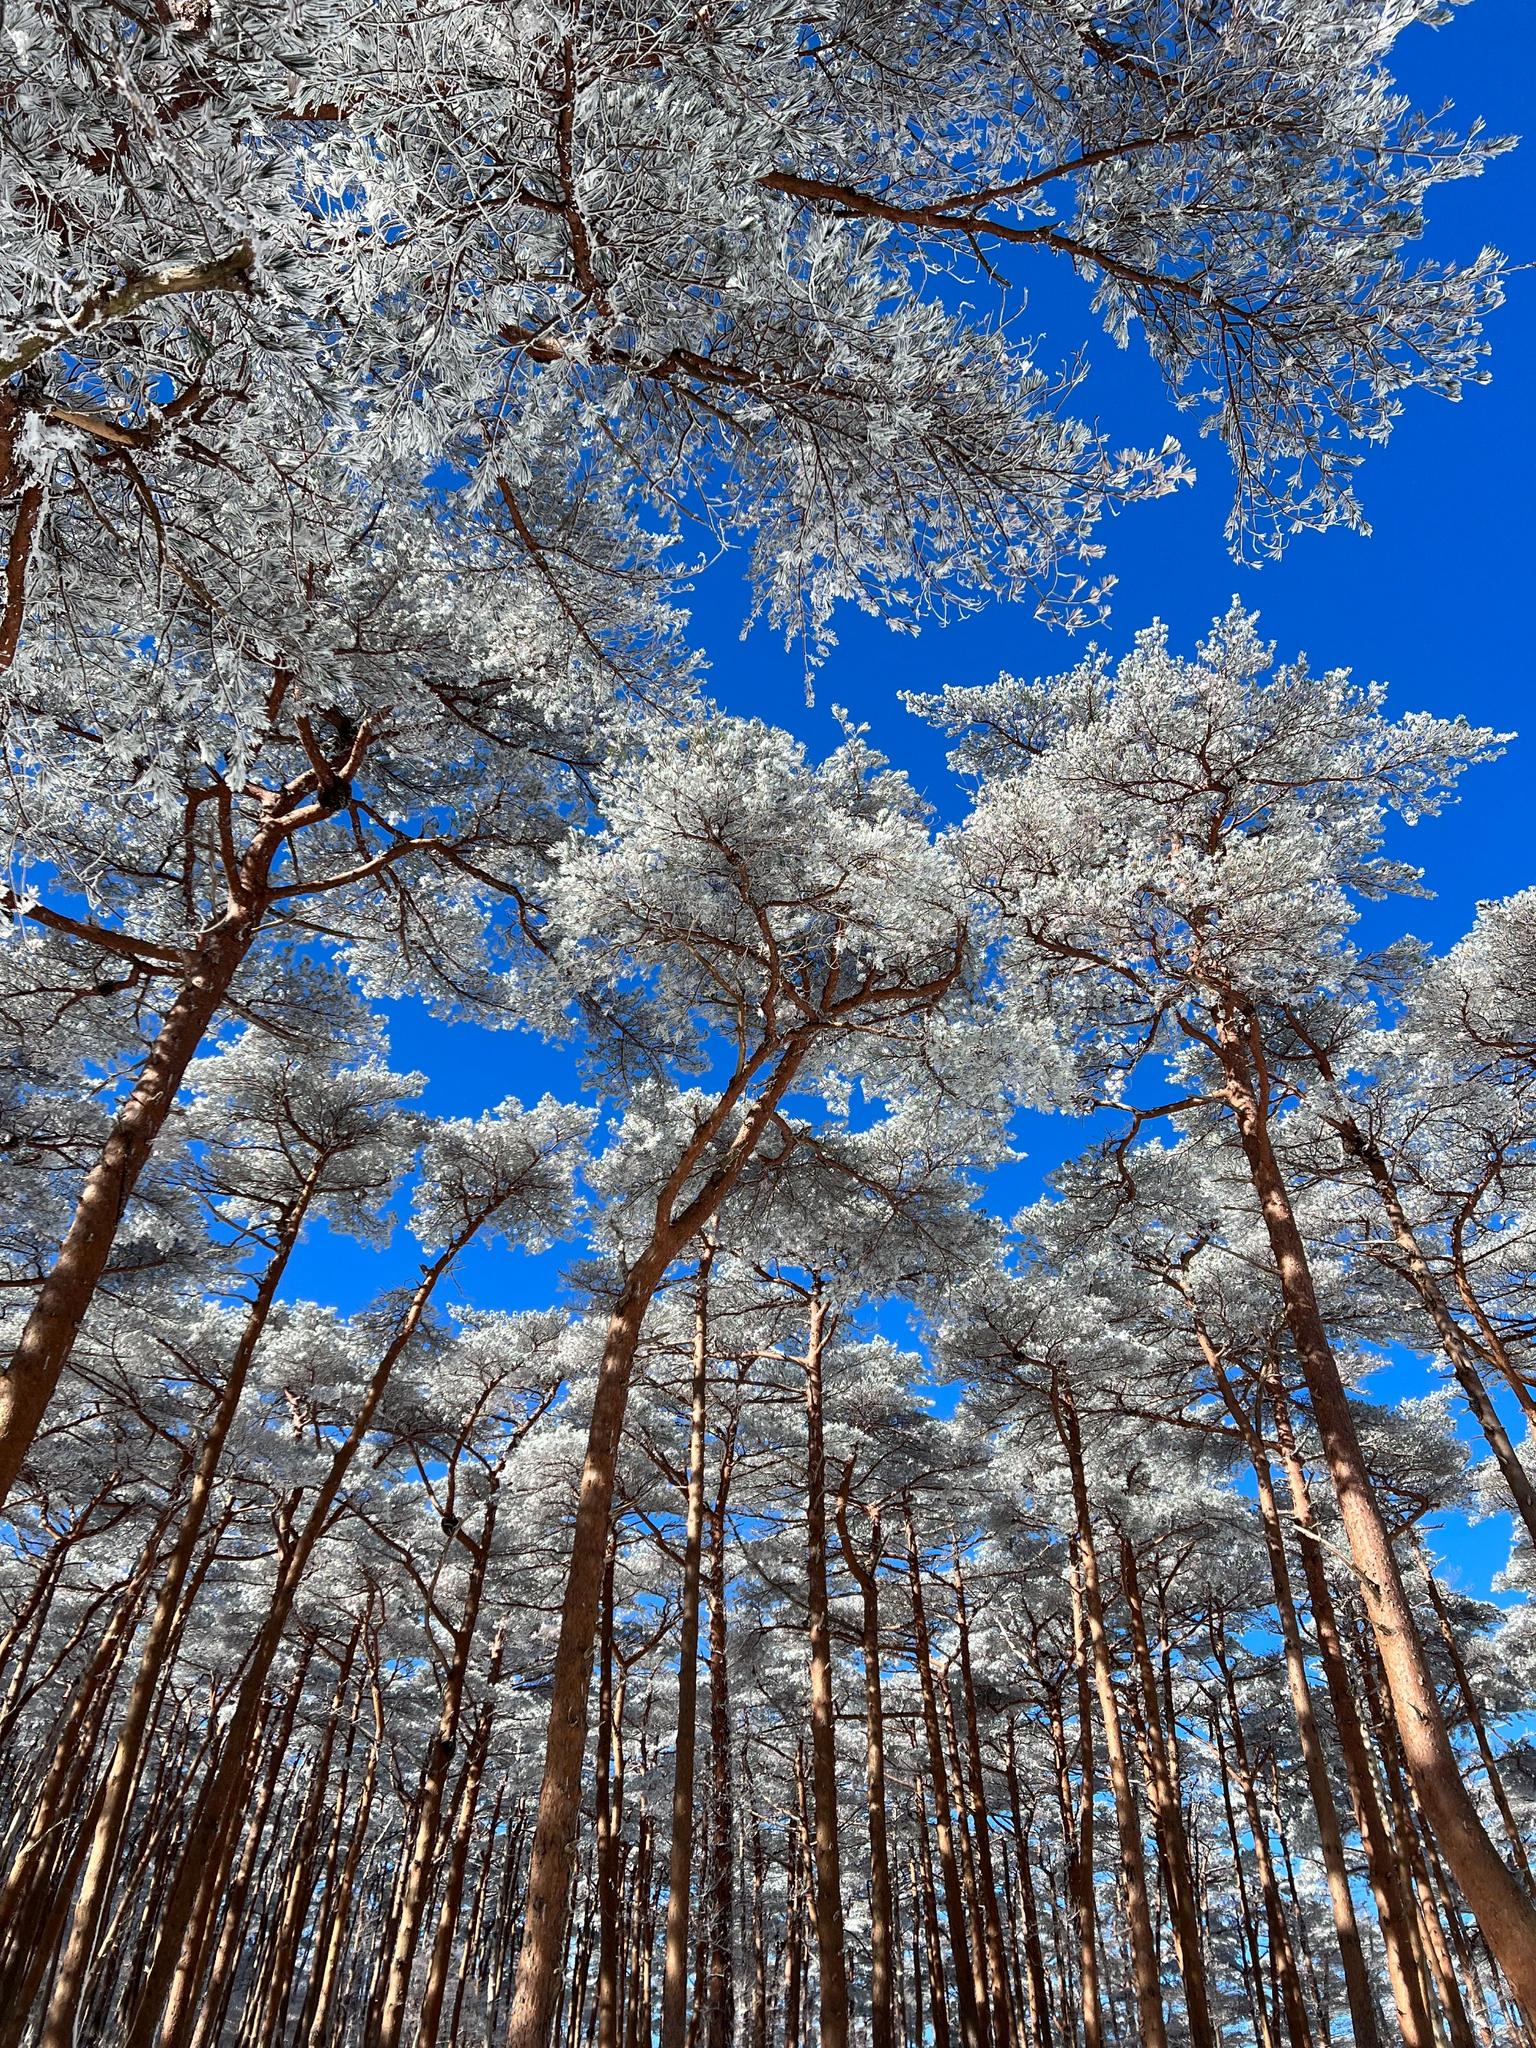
[{"x": 1434, "y": 602}]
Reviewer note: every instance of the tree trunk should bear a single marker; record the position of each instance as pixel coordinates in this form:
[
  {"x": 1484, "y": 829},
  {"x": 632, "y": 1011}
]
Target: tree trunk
[
  {"x": 1393, "y": 1907},
  {"x": 981, "y": 1827},
  {"x": 1452, "y": 1340},
  {"x": 59, "y": 2024},
  {"x": 331, "y": 1938},
  {"x": 49, "y": 1335},
  {"x": 971, "y": 2033},
  {"x": 434, "y": 1992},
  {"x": 1077, "y": 1826},
  {"x": 1474, "y": 1713},
  {"x": 970, "y": 1890},
  {"x": 720, "y": 2001},
  {"x": 1034, "y": 1957},
  {"x": 933, "y": 1950},
  {"x": 674, "y": 1979},
  {"x": 609, "y": 1820},
  {"x": 179, "y": 1957},
  {"x": 1263, "y": 2031},
  {"x": 829, "y": 1897},
  {"x": 1167, "y": 1817},
  {"x": 1357, "y": 1983},
  {"x": 554, "y": 1837},
  {"x": 421, "y": 1865},
  {"x": 1145, "y": 1974},
  {"x": 865, "y": 1574},
  {"x": 1495, "y": 1895},
  {"x": 1282, "y": 1952}
]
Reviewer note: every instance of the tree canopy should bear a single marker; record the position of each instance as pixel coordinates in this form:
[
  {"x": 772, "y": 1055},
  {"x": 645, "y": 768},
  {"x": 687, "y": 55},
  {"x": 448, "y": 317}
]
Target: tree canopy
[{"x": 730, "y": 1568}]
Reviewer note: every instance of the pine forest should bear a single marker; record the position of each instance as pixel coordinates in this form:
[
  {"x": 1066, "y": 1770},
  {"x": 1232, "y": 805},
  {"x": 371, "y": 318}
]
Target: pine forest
[{"x": 718, "y": 1331}]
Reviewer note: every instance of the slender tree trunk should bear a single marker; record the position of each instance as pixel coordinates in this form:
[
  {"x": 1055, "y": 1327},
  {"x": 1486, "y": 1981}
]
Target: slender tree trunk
[
  {"x": 1474, "y": 1713},
  {"x": 1494, "y": 1893},
  {"x": 1146, "y": 1976},
  {"x": 938, "y": 2000},
  {"x": 674, "y": 1981},
  {"x": 720, "y": 2003},
  {"x": 609, "y": 1819},
  {"x": 179, "y": 1957},
  {"x": 971, "y": 2033},
  {"x": 1263, "y": 2030},
  {"x": 58, "y": 2029},
  {"x": 1167, "y": 1816},
  {"x": 1393, "y": 1907},
  {"x": 565, "y": 1749},
  {"x": 420, "y": 1867},
  {"x": 865, "y": 1574},
  {"x": 1357, "y": 1983},
  {"x": 829, "y": 1898},
  {"x": 34, "y": 1900},
  {"x": 1493, "y": 1344},
  {"x": 969, "y": 1886},
  {"x": 435, "y": 1989},
  {"x": 794, "y": 1910},
  {"x": 331, "y": 1938},
  {"x": 981, "y": 1826},
  {"x": 1452, "y": 1339},
  {"x": 757, "y": 2029},
  {"x": 1281, "y": 1949},
  {"x": 49, "y": 1335},
  {"x": 1034, "y": 1956},
  {"x": 1375, "y": 1688},
  {"x": 1078, "y": 1822}
]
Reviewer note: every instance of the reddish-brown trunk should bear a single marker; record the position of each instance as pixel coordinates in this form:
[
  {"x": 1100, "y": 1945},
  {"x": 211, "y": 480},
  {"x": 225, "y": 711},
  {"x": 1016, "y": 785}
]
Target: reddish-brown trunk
[
  {"x": 1145, "y": 1974},
  {"x": 674, "y": 1973},
  {"x": 1495, "y": 1895},
  {"x": 1034, "y": 1954},
  {"x": 1392, "y": 1905},
  {"x": 1167, "y": 1815},
  {"x": 50, "y": 1330},
  {"x": 865, "y": 1573},
  {"x": 971, "y": 2033},
  {"x": 720, "y": 1994},
  {"x": 1282, "y": 1953},
  {"x": 59, "y": 2024},
  {"x": 1357, "y": 1983},
  {"x": 833, "y": 2004},
  {"x": 981, "y": 1828}
]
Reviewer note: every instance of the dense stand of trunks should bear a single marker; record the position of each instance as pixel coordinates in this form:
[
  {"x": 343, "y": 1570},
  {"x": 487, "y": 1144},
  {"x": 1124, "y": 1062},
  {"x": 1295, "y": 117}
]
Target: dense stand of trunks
[{"x": 1164, "y": 1814}]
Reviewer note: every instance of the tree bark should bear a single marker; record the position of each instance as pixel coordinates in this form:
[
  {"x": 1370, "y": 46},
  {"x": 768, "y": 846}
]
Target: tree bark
[
  {"x": 1281, "y": 1949},
  {"x": 933, "y": 1951},
  {"x": 1452, "y": 1339},
  {"x": 609, "y": 1820},
  {"x": 59, "y": 2023},
  {"x": 1168, "y": 1818},
  {"x": 981, "y": 1826},
  {"x": 421, "y": 1864},
  {"x": 1474, "y": 1713},
  {"x": 554, "y": 1837},
  {"x": 674, "y": 1979},
  {"x": 49, "y": 1334},
  {"x": 1034, "y": 1955},
  {"x": 1495, "y": 1895},
  {"x": 829, "y": 1898},
  {"x": 971, "y": 2033},
  {"x": 865, "y": 1574},
  {"x": 1393, "y": 1907},
  {"x": 720, "y": 2003},
  {"x": 1357, "y": 1983},
  {"x": 1146, "y": 1976}
]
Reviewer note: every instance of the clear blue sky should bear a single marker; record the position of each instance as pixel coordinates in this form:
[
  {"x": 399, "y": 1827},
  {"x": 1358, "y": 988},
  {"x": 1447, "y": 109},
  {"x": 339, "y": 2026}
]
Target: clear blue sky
[{"x": 1434, "y": 602}]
